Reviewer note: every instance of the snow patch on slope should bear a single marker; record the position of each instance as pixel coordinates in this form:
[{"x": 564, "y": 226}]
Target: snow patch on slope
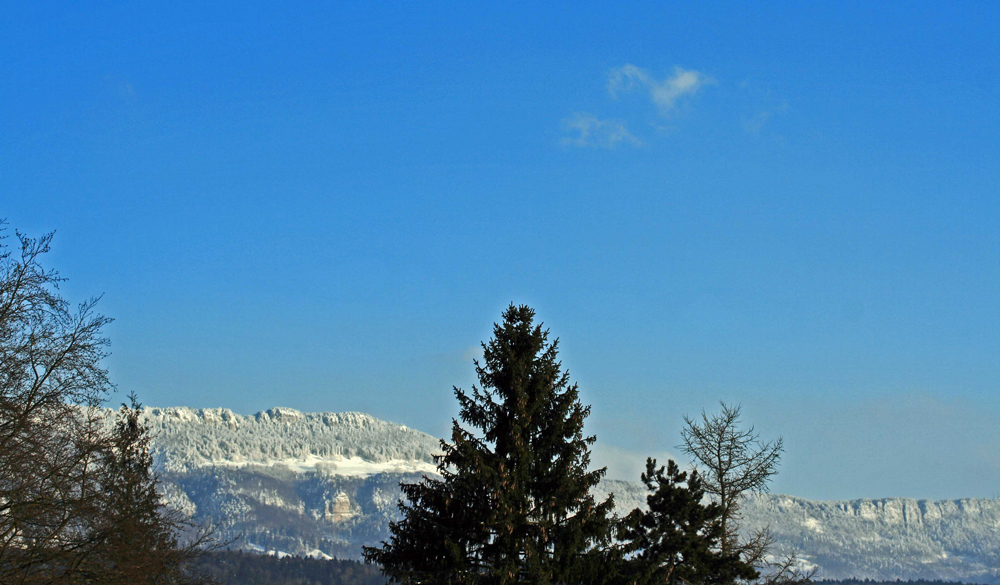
[
  {"x": 885, "y": 539},
  {"x": 346, "y": 466},
  {"x": 328, "y": 483},
  {"x": 345, "y": 443}
]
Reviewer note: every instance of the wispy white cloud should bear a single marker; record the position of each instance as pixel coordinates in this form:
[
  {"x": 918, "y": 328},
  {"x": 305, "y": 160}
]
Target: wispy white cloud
[
  {"x": 755, "y": 123},
  {"x": 584, "y": 129},
  {"x": 663, "y": 92},
  {"x": 588, "y": 130},
  {"x": 626, "y": 78}
]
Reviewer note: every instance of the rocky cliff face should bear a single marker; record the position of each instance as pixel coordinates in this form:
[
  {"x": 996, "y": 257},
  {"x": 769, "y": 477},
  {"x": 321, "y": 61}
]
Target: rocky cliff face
[
  {"x": 325, "y": 484},
  {"x": 306, "y": 513},
  {"x": 887, "y": 539}
]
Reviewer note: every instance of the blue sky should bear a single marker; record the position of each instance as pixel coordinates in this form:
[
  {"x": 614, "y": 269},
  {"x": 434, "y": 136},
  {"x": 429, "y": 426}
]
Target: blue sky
[{"x": 791, "y": 207}]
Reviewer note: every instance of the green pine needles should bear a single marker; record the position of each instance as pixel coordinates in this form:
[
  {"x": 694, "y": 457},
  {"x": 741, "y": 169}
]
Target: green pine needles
[
  {"x": 677, "y": 540},
  {"x": 514, "y": 502}
]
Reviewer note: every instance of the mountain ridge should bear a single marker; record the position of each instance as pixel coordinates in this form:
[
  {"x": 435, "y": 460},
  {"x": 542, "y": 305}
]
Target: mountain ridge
[
  {"x": 190, "y": 438},
  {"x": 326, "y": 484}
]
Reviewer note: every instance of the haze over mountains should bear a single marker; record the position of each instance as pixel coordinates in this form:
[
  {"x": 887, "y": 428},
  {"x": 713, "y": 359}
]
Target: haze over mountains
[{"x": 325, "y": 484}]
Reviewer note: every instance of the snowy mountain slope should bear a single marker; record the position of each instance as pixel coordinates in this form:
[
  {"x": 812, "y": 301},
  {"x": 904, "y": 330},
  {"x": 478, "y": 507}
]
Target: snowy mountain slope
[
  {"x": 887, "y": 539},
  {"x": 347, "y": 443},
  {"x": 304, "y": 513},
  {"x": 327, "y": 484},
  {"x": 282, "y": 480}
]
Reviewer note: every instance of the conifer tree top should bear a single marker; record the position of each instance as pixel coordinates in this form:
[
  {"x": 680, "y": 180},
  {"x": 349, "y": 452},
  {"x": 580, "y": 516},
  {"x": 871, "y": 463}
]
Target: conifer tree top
[{"x": 513, "y": 504}]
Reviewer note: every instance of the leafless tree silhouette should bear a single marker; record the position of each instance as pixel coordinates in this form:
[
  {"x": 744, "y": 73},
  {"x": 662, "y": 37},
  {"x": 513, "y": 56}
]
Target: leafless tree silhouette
[{"x": 735, "y": 462}]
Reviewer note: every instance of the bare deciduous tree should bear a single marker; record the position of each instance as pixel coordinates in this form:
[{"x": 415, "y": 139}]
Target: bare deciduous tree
[
  {"x": 735, "y": 462},
  {"x": 62, "y": 466},
  {"x": 51, "y": 381}
]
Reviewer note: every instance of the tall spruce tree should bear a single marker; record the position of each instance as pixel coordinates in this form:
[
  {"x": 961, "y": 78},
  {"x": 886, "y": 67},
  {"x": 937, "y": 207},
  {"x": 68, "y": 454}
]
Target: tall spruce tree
[
  {"x": 513, "y": 504},
  {"x": 678, "y": 538}
]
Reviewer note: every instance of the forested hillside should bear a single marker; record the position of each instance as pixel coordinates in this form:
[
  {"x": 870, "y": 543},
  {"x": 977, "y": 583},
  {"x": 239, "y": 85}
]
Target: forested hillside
[
  {"x": 240, "y": 568},
  {"x": 286, "y": 481}
]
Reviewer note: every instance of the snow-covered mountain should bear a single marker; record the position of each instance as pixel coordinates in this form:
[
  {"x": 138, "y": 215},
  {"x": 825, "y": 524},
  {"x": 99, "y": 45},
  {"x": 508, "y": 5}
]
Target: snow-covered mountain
[
  {"x": 889, "y": 538},
  {"x": 322, "y": 484},
  {"x": 325, "y": 484},
  {"x": 338, "y": 443}
]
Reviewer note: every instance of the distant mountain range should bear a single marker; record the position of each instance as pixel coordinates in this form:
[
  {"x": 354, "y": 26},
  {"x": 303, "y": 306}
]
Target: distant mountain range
[{"x": 325, "y": 484}]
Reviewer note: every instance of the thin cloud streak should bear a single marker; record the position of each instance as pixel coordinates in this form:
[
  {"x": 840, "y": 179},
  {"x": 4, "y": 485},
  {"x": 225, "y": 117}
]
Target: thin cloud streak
[
  {"x": 590, "y": 131},
  {"x": 665, "y": 93},
  {"x": 754, "y": 124}
]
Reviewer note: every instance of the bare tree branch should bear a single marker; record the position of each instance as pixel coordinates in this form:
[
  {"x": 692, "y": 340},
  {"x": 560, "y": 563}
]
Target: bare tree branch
[
  {"x": 57, "y": 482},
  {"x": 734, "y": 463}
]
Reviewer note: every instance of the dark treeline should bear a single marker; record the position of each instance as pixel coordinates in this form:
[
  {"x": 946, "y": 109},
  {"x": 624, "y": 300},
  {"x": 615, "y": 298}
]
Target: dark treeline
[
  {"x": 896, "y": 582},
  {"x": 240, "y": 568}
]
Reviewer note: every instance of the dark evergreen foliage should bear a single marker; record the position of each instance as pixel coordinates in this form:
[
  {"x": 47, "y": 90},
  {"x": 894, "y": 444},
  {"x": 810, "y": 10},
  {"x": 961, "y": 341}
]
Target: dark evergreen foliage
[
  {"x": 131, "y": 533},
  {"x": 896, "y": 582},
  {"x": 514, "y": 502},
  {"x": 78, "y": 500},
  {"x": 677, "y": 540},
  {"x": 136, "y": 535},
  {"x": 240, "y": 568}
]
